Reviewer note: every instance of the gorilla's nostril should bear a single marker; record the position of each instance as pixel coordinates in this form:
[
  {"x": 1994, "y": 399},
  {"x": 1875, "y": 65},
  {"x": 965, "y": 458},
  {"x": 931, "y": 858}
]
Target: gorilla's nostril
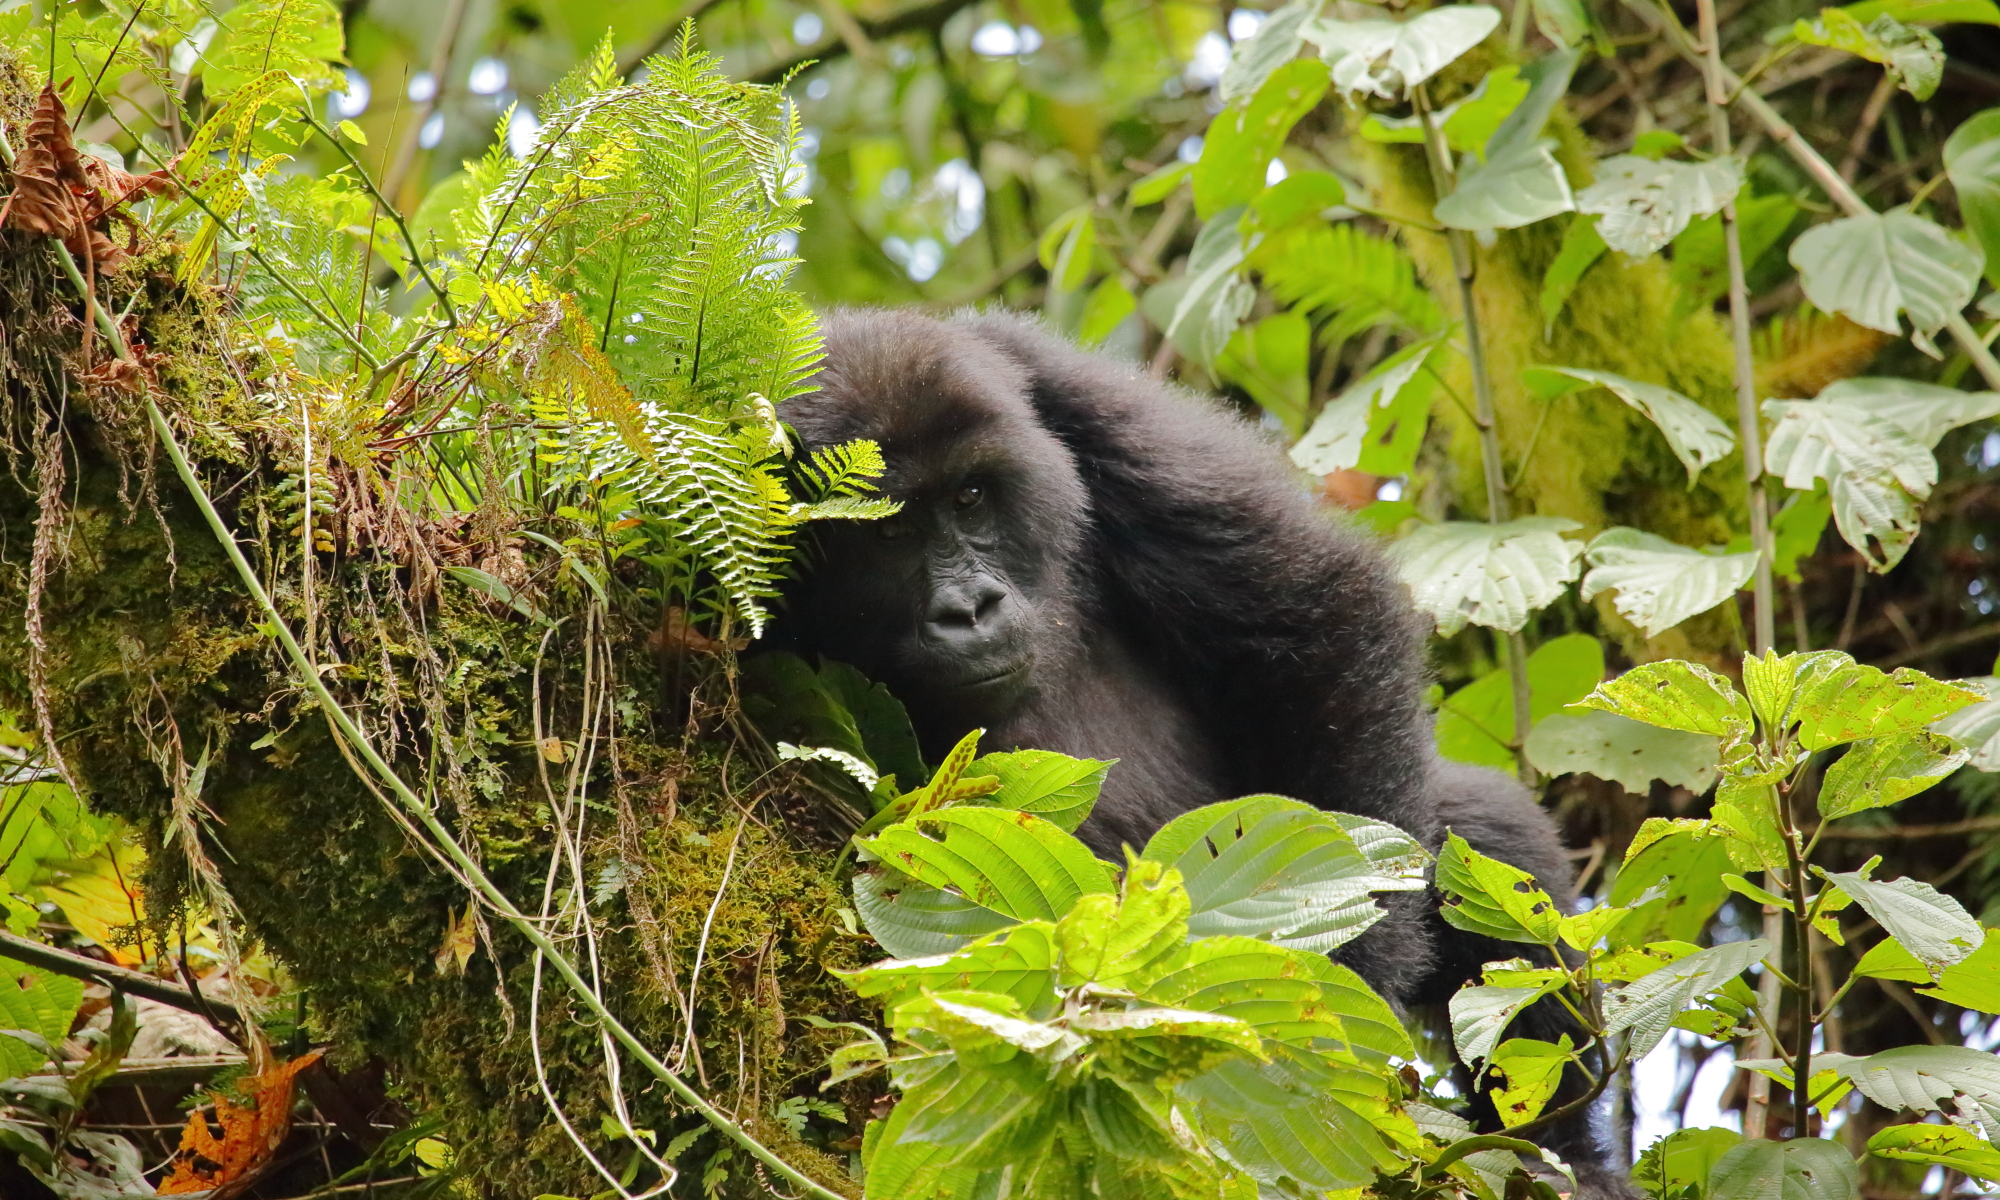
[{"x": 975, "y": 608}]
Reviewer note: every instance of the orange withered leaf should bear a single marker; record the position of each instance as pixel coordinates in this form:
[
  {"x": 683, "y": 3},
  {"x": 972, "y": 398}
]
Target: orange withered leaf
[
  {"x": 49, "y": 183},
  {"x": 251, "y": 1133}
]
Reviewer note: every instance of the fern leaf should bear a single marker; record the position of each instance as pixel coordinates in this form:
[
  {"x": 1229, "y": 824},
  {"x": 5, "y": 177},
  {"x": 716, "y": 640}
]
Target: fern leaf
[{"x": 1366, "y": 279}]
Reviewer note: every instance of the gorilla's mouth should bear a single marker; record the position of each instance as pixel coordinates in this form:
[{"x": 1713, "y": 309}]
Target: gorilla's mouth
[{"x": 995, "y": 681}]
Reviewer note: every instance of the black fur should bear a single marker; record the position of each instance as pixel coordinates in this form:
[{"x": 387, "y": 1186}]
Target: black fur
[{"x": 1171, "y": 596}]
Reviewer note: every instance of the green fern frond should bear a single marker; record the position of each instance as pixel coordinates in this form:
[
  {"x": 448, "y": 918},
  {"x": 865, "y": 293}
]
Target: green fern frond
[
  {"x": 848, "y": 469},
  {"x": 1362, "y": 279}
]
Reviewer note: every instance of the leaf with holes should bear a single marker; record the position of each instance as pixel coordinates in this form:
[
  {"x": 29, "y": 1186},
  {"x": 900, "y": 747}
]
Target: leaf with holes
[
  {"x": 1648, "y": 1005},
  {"x": 1643, "y": 204},
  {"x": 1876, "y": 472},
  {"x": 1387, "y": 58},
  {"x": 1371, "y": 415},
  {"x": 1492, "y": 898},
  {"x": 1881, "y": 771},
  {"x": 1913, "y": 56},
  {"x": 1676, "y": 695},
  {"x": 1959, "y": 1081},
  {"x": 1532, "y": 1069},
  {"x": 1660, "y": 584},
  {"x": 1491, "y": 575},
  {"x": 1626, "y": 752},
  {"x": 1945, "y": 1146},
  {"x": 1932, "y": 926},
  {"x": 1977, "y": 726}
]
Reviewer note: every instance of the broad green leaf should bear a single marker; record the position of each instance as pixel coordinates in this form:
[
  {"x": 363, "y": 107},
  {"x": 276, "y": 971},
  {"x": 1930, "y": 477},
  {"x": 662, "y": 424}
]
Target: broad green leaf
[
  {"x": 915, "y": 921},
  {"x": 1925, "y": 411},
  {"x": 1973, "y": 982},
  {"x": 1913, "y": 57},
  {"x": 1376, "y": 412},
  {"x": 1242, "y": 140},
  {"x": 835, "y": 708},
  {"x": 1564, "y": 22},
  {"x": 1532, "y": 1070},
  {"x": 1160, "y": 184},
  {"x": 1932, "y": 926},
  {"x": 1972, "y": 159},
  {"x": 1319, "y": 1142},
  {"x": 1109, "y": 304},
  {"x": 1128, "y": 940},
  {"x": 1681, "y": 871},
  {"x": 1486, "y": 896},
  {"x": 1014, "y": 863},
  {"x": 1299, "y": 196},
  {"x": 1643, "y": 204},
  {"x": 1517, "y": 185},
  {"x": 1877, "y": 265},
  {"x": 1681, "y": 1158},
  {"x": 1580, "y": 250},
  {"x": 1805, "y": 1169},
  {"x": 1837, "y": 703},
  {"x": 1945, "y": 1146},
  {"x": 1648, "y": 1005},
  {"x": 879, "y": 720},
  {"x": 1019, "y": 962},
  {"x": 1796, "y": 530},
  {"x": 1269, "y": 987},
  {"x": 1480, "y": 1015},
  {"x": 1274, "y": 868},
  {"x": 1977, "y": 726},
  {"x": 1275, "y": 43},
  {"x": 1055, "y": 787},
  {"x": 1491, "y": 575},
  {"x": 1698, "y": 437},
  {"x": 1951, "y": 1079},
  {"x": 1660, "y": 584},
  {"x": 1876, "y": 472},
  {"x": 1476, "y": 723},
  {"x": 1069, "y": 265},
  {"x": 1387, "y": 58},
  {"x": 1626, "y": 752},
  {"x": 1371, "y": 1028},
  {"x": 1269, "y": 360},
  {"x": 37, "y": 1003},
  {"x": 1676, "y": 695},
  {"x": 1467, "y": 124},
  {"x": 1877, "y": 772}
]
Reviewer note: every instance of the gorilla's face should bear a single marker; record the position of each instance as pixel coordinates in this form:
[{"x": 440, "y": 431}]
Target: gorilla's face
[{"x": 960, "y": 601}]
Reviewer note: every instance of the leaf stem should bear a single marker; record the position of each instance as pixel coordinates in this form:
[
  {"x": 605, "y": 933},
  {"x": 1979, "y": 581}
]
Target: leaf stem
[{"x": 1465, "y": 265}]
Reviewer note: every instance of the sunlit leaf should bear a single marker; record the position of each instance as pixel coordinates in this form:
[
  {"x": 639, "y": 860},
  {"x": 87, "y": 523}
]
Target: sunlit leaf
[
  {"x": 1945, "y": 1146},
  {"x": 1486, "y": 896},
  {"x": 1055, "y": 787},
  {"x": 1274, "y": 44},
  {"x": 1019, "y": 962},
  {"x": 1648, "y": 1005},
  {"x": 1386, "y": 58},
  {"x": 1932, "y": 926},
  {"x": 1643, "y": 204},
  {"x": 1532, "y": 1069},
  {"x": 1960, "y": 1081},
  {"x": 1014, "y": 863},
  {"x": 1660, "y": 584},
  {"x": 1698, "y": 437},
  {"x": 1374, "y": 409},
  {"x": 1491, "y": 575},
  {"x": 1676, "y": 695},
  {"x": 1882, "y": 771},
  {"x": 1805, "y": 1169},
  {"x": 1977, "y": 726},
  {"x": 1627, "y": 752},
  {"x": 1875, "y": 266},
  {"x": 1972, "y": 982},
  {"x": 1913, "y": 56}
]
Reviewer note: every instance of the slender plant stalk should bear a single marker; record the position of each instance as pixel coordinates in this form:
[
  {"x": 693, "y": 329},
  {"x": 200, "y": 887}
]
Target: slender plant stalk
[
  {"x": 413, "y": 806},
  {"x": 1764, "y": 623},
  {"x": 1498, "y": 511}
]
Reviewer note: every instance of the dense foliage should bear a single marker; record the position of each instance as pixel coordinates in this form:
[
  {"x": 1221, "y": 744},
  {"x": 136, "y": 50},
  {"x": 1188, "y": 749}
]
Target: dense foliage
[{"x": 422, "y": 510}]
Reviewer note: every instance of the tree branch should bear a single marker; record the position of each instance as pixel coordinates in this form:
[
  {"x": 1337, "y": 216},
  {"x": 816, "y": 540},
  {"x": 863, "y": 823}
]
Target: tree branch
[
  {"x": 132, "y": 983},
  {"x": 922, "y": 17}
]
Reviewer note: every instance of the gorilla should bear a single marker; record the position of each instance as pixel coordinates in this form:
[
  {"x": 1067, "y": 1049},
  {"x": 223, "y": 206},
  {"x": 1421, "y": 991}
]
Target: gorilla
[{"x": 1091, "y": 562}]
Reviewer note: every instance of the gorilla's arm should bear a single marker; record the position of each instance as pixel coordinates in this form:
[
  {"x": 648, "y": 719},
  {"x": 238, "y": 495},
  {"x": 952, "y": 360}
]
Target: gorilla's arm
[{"x": 1287, "y": 632}]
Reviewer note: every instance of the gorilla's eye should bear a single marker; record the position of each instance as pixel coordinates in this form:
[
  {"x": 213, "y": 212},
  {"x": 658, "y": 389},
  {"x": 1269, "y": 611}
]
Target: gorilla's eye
[{"x": 968, "y": 496}]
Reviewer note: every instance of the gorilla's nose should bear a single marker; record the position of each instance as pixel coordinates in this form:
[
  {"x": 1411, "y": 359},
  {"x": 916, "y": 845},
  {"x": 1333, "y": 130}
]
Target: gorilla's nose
[{"x": 970, "y": 615}]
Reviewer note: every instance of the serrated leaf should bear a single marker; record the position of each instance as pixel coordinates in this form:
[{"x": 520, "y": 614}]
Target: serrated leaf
[
  {"x": 1698, "y": 437},
  {"x": 1532, "y": 1070},
  {"x": 1480, "y": 1015},
  {"x": 1019, "y": 962},
  {"x": 1011, "y": 862},
  {"x": 1676, "y": 695},
  {"x": 1241, "y": 141},
  {"x": 1493, "y": 898},
  {"x": 916, "y": 921},
  {"x": 1517, "y": 185},
  {"x": 1129, "y": 940},
  {"x": 1932, "y": 926},
  {"x": 1275, "y": 43},
  {"x": 1373, "y": 410},
  {"x": 1877, "y": 772},
  {"x": 1660, "y": 584},
  {"x": 1643, "y": 204},
  {"x": 1874, "y": 266},
  {"x": 1960, "y": 1081},
  {"x": 1977, "y": 726},
  {"x": 1627, "y": 752},
  {"x": 1681, "y": 1158},
  {"x": 1055, "y": 787},
  {"x": 1945, "y": 1146},
  {"x": 1491, "y": 575},
  {"x": 1318, "y": 1142},
  {"x": 41, "y": 1005},
  {"x": 1648, "y": 1005},
  {"x": 1805, "y": 1169},
  {"x": 1269, "y": 987},
  {"x": 1386, "y": 58},
  {"x": 1269, "y": 867},
  {"x": 1839, "y": 701},
  {"x": 1973, "y": 982}
]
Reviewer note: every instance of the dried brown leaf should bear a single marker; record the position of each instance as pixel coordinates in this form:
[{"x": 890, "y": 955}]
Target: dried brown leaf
[{"x": 1799, "y": 354}]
